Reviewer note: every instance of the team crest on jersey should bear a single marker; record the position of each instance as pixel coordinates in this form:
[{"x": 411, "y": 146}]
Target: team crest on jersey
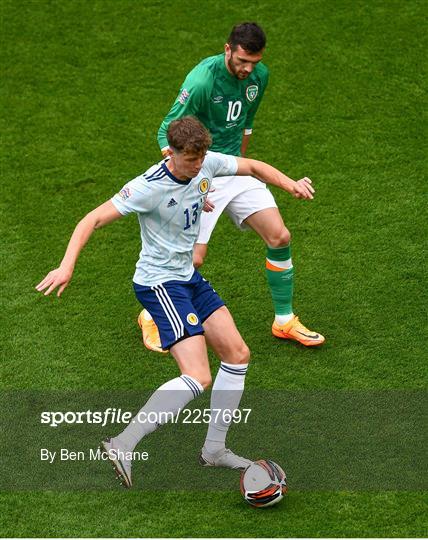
[
  {"x": 204, "y": 186},
  {"x": 252, "y": 92},
  {"x": 125, "y": 193},
  {"x": 192, "y": 319},
  {"x": 184, "y": 96}
]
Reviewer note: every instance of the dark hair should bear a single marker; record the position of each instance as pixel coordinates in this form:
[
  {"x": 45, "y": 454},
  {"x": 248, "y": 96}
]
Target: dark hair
[
  {"x": 249, "y": 36},
  {"x": 188, "y": 134}
]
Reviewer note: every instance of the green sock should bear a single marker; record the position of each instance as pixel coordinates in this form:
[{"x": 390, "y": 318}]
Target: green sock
[{"x": 280, "y": 273}]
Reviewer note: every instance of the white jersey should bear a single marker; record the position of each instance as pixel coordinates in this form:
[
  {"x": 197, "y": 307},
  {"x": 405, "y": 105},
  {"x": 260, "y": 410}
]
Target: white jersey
[{"x": 169, "y": 213}]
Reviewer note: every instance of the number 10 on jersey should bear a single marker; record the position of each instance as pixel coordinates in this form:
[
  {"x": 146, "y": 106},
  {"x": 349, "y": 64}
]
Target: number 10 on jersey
[{"x": 234, "y": 110}]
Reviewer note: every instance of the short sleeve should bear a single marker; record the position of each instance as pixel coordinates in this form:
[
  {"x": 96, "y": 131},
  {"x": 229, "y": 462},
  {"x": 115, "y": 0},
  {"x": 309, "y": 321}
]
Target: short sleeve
[
  {"x": 221, "y": 164},
  {"x": 192, "y": 98},
  {"x": 135, "y": 196}
]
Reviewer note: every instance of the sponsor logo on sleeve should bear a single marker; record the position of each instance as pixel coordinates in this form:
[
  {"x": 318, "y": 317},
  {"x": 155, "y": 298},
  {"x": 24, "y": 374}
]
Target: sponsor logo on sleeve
[
  {"x": 184, "y": 96},
  {"x": 125, "y": 193},
  {"x": 252, "y": 92}
]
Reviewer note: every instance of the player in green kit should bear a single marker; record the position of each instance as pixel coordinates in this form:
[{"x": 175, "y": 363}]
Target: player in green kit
[{"x": 224, "y": 93}]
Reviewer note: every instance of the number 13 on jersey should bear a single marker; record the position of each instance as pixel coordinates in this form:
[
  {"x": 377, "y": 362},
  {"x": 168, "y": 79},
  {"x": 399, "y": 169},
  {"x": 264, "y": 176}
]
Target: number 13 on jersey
[{"x": 192, "y": 221}]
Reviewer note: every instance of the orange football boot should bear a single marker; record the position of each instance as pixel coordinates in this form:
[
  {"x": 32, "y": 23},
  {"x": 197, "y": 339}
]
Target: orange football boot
[
  {"x": 294, "y": 329},
  {"x": 151, "y": 338}
]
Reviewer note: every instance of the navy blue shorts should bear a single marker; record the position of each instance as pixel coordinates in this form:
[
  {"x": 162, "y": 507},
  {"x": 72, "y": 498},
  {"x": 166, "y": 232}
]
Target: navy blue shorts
[{"x": 179, "y": 307}]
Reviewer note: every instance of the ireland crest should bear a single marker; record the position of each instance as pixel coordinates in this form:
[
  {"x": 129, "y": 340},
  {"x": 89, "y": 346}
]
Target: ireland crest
[{"x": 252, "y": 92}]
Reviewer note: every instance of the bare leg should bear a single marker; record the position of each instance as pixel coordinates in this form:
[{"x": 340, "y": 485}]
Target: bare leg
[
  {"x": 192, "y": 359},
  {"x": 224, "y": 338},
  {"x": 269, "y": 225}
]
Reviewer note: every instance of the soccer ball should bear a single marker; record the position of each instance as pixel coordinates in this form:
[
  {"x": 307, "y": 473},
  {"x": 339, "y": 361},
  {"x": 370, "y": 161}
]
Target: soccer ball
[{"x": 263, "y": 483}]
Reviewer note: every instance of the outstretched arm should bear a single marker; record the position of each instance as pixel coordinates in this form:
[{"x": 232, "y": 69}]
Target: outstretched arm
[
  {"x": 61, "y": 276},
  {"x": 302, "y": 189}
]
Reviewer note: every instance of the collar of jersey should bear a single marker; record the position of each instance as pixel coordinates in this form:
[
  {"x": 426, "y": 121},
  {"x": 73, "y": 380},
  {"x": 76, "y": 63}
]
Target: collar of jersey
[{"x": 176, "y": 180}]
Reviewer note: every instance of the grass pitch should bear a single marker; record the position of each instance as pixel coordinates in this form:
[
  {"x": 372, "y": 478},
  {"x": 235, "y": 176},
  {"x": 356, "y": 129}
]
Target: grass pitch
[{"x": 84, "y": 88}]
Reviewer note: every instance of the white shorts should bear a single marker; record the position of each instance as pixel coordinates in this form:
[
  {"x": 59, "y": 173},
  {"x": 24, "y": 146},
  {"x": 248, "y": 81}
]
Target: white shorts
[{"x": 240, "y": 197}]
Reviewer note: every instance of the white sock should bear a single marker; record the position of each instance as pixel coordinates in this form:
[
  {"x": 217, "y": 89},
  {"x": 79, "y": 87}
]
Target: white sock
[
  {"x": 226, "y": 396},
  {"x": 282, "y": 319},
  {"x": 165, "y": 402}
]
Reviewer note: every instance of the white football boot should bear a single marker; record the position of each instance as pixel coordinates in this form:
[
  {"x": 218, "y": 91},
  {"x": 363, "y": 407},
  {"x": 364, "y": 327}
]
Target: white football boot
[
  {"x": 223, "y": 458},
  {"x": 121, "y": 465}
]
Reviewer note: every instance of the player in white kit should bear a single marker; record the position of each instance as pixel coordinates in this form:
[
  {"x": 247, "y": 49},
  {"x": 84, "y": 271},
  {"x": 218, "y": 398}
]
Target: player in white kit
[{"x": 168, "y": 199}]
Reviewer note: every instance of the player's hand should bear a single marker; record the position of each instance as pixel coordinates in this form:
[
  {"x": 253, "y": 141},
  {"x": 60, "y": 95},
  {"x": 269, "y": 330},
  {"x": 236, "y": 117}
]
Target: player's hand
[
  {"x": 60, "y": 277},
  {"x": 303, "y": 189},
  {"x": 208, "y": 206}
]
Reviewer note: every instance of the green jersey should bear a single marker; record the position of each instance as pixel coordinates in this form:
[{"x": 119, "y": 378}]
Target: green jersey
[{"x": 225, "y": 104}]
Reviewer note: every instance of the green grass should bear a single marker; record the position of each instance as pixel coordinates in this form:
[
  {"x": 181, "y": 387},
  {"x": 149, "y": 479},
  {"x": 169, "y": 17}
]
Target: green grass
[
  {"x": 84, "y": 88},
  {"x": 206, "y": 515}
]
